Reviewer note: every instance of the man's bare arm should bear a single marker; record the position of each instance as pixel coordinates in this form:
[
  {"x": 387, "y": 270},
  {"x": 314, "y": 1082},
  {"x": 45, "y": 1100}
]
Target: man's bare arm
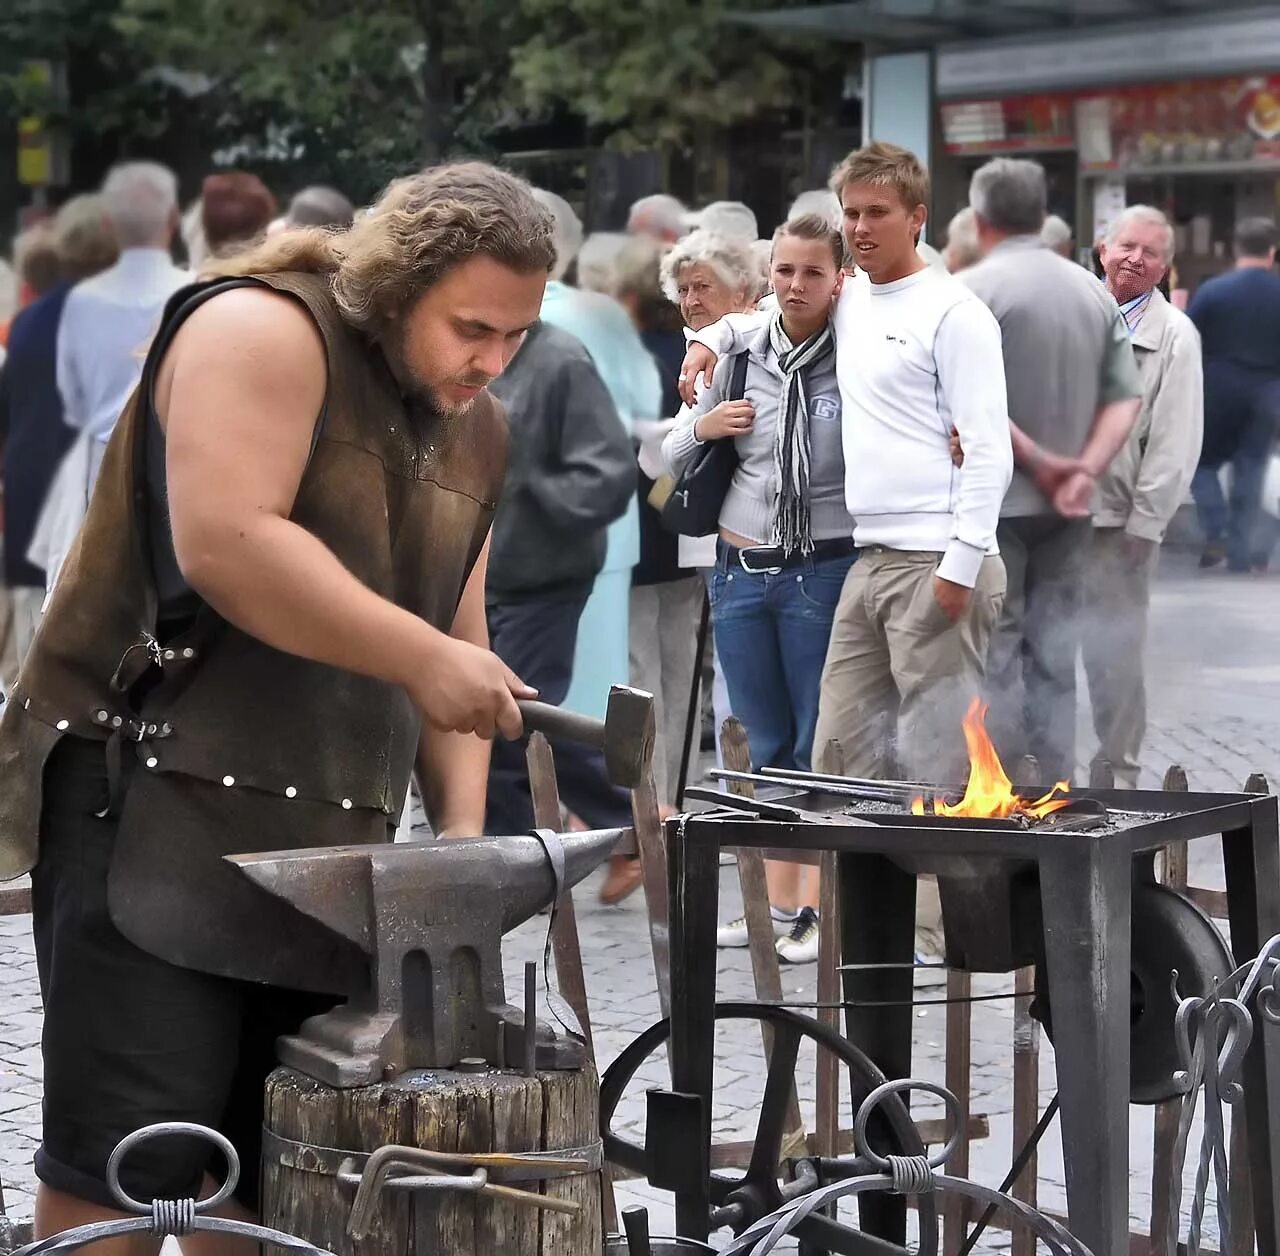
[
  {"x": 453, "y": 768},
  {"x": 238, "y": 395}
]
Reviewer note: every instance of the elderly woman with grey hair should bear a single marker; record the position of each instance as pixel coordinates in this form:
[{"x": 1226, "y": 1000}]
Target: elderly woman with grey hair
[
  {"x": 710, "y": 275},
  {"x": 705, "y": 276}
]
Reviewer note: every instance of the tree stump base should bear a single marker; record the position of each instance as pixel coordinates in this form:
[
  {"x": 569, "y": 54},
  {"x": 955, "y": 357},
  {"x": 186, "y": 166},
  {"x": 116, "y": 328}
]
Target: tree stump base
[{"x": 439, "y": 1111}]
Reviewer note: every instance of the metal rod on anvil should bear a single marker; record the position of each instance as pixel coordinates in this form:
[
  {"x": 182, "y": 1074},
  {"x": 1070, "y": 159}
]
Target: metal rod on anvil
[
  {"x": 530, "y": 1018},
  {"x": 799, "y": 782}
]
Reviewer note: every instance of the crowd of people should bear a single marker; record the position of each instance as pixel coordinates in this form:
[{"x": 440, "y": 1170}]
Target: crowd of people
[
  {"x": 320, "y": 508},
  {"x": 950, "y": 473}
]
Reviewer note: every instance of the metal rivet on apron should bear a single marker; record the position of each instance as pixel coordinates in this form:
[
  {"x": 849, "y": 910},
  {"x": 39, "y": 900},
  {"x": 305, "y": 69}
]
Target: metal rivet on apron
[
  {"x": 166, "y": 728},
  {"x": 799, "y": 580},
  {"x": 346, "y": 804},
  {"x": 102, "y": 717},
  {"x": 169, "y": 656},
  {"x": 188, "y": 653},
  {"x": 228, "y": 781},
  {"x": 116, "y": 721},
  {"x": 291, "y": 792},
  {"x": 63, "y": 725},
  {"x": 153, "y": 762}
]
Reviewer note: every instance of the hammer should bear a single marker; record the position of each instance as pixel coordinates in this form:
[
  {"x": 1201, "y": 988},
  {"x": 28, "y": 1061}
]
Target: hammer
[{"x": 625, "y": 735}]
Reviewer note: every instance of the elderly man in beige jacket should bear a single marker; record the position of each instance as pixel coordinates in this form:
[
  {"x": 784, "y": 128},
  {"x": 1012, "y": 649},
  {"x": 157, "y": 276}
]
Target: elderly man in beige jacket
[{"x": 1144, "y": 485}]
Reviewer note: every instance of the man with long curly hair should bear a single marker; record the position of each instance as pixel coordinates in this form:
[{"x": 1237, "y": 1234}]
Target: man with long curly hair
[{"x": 275, "y": 606}]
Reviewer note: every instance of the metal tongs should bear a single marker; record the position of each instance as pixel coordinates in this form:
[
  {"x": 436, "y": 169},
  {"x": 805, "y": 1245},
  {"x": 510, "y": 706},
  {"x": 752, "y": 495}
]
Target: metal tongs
[{"x": 765, "y": 810}]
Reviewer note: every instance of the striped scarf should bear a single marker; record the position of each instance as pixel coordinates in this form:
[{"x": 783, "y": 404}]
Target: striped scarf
[{"x": 791, "y": 438}]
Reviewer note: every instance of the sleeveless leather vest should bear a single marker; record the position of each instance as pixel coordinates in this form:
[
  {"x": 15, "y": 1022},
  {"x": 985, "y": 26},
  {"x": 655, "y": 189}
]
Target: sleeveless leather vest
[{"x": 240, "y": 747}]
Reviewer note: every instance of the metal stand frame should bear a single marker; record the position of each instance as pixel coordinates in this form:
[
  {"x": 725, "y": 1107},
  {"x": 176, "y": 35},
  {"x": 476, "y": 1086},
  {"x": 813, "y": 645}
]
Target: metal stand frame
[{"x": 1086, "y": 882}]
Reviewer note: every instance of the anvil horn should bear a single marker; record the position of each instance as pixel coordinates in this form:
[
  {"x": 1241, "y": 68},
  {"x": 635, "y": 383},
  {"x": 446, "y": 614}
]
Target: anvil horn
[
  {"x": 334, "y": 884},
  {"x": 524, "y": 896}
]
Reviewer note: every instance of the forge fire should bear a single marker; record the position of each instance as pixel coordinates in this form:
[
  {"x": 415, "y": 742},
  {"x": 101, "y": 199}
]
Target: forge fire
[{"x": 989, "y": 793}]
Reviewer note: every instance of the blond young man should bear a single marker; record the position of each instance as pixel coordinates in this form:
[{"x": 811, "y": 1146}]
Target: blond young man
[{"x": 917, "y": 355}]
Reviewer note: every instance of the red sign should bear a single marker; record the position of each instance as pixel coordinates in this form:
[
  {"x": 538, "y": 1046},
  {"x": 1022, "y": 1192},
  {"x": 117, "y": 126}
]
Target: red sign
[
  {"x": 1208, "y": 120},
  {"x": 1014, "y": 123}
]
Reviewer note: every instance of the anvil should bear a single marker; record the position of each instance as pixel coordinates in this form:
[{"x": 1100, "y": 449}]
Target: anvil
[{"x": 430, "y": 916}]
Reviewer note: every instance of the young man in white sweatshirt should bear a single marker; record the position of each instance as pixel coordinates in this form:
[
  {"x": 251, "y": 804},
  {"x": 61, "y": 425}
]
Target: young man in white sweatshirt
[{"x": 918, "y": 354}]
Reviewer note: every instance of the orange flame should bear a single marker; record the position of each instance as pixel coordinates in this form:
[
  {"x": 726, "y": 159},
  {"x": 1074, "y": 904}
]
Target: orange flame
[{"x": 989, "y": 793}]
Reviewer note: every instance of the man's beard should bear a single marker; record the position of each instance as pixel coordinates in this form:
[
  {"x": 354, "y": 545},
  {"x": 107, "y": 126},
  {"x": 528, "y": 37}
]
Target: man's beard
[{"x": 423, "y": 402}]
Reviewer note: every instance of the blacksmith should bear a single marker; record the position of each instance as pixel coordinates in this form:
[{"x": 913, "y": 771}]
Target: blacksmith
[
  {"x": 275, "y": 605},
  {"x": 1144, "y": 485}
]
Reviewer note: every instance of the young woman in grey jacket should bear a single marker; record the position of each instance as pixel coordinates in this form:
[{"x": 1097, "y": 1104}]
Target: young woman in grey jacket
[{"x": 785, "y": 538}]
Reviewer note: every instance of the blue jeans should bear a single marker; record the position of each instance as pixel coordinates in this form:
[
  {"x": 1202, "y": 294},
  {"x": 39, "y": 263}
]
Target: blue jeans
[
  {"x": 536, "y": 639},
  {"x": 772, "y": 632},
  {"x": 1236, "y": 521}
]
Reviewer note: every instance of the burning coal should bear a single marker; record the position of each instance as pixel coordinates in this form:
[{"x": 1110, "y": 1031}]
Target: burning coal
[{"x": 989, "y": 794}]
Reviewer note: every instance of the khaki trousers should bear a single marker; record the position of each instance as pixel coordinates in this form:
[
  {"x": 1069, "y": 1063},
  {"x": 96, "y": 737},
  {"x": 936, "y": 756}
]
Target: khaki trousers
[
  {"x": 899, "y": 674},
  {"x": 898, "y": 679},
  {"x": 1114, "y": 637}
]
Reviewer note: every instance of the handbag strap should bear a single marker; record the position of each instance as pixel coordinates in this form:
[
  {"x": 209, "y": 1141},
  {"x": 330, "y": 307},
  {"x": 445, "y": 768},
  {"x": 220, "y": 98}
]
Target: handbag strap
[{"x": 738, "y": 379}]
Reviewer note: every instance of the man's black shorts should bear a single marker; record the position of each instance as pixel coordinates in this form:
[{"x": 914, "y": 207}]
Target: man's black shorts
[{"x": 129, "y": 1039}]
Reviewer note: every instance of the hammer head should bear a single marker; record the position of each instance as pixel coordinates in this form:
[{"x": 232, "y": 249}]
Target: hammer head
[{"x": 628, "y": 735}]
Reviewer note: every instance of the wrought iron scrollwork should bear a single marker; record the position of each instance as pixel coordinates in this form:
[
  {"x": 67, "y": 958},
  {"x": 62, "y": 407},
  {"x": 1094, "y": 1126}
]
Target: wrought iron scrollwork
[
  {"x": 163, "y": 1217},
  {"x": 916, "y": 1176},
  {"x": 1213, "y": 1035}
]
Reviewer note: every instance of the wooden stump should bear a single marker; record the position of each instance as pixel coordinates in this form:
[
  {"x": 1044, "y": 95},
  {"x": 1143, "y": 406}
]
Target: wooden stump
[{"x": 439, "y": 1111}]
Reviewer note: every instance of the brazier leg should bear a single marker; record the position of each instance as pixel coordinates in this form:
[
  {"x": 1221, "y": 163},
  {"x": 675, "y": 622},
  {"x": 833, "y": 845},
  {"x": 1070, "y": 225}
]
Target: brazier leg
[
  {"x": 694, "y": 897},
  {"x": 1252, "y": 862},
  {"x": 1085, "y": 893},
  {"x": 878, "y": 924}
]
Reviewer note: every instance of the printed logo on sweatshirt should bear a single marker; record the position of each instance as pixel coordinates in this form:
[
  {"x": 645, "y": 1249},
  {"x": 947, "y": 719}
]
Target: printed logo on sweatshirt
[
  {"x": 897, "y": 340},
  {"x": 825, "y": 407}
]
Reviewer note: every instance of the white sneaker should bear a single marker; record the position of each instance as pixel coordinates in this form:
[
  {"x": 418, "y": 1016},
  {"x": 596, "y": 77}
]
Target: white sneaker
[
  {"x": 800, "y": 946},
  {"x": 735, "y": 932}
]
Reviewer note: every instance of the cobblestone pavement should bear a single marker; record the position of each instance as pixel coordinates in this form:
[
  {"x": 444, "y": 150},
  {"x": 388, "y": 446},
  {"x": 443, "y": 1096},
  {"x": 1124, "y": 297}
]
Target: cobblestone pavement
[{"x": 1214, "y": 682}]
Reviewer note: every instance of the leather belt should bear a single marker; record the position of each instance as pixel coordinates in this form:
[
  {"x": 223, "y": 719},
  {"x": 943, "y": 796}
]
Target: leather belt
[{"x": 771, "y": 559}]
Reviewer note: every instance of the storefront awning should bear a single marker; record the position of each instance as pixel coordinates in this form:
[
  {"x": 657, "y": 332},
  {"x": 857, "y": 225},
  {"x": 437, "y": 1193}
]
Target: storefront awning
[{"x": 906, "y": 24}]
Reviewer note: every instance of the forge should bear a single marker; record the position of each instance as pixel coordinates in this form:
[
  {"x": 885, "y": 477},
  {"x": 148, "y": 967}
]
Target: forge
[{"x": 1071, "y": 890}]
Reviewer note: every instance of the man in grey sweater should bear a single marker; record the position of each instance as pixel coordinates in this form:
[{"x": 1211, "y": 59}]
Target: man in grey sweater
[
  {"x": 570, "y": 473},
  {"x": 1073, "y": 393}
]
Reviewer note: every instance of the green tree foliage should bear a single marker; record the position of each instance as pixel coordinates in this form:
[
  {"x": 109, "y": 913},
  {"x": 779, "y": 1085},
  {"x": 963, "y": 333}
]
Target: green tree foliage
[
  {"x": 335, "y": 88},
  {"x": 105, "y": 85},
  {"x": 357, "y": 92},
  {"x": 654, "y": 73}
]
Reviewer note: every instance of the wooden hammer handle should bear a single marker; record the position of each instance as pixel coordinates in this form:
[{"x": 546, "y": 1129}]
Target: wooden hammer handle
[{"x": 554, "y": 721}]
